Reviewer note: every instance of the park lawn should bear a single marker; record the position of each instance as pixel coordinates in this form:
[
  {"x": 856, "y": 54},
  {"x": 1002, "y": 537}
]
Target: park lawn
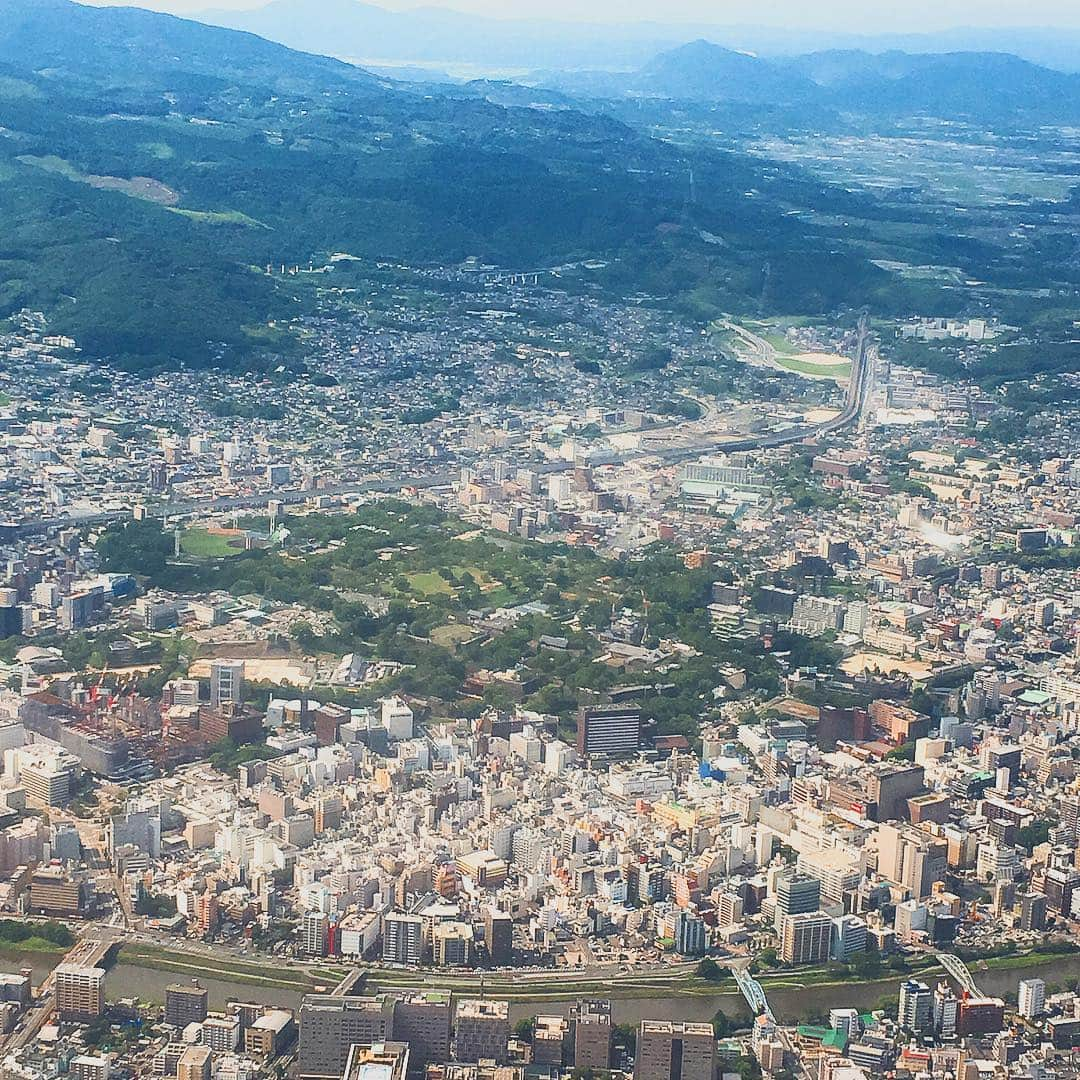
[
  {"x": 452, "y": 634},
  {"x": 205, "y": 545},
  {"x": 841, "y": 370},
  {"x": 32, "y": 944},
  {"x": 432, "y": 583},
  {"x": 429, "y": 583}
]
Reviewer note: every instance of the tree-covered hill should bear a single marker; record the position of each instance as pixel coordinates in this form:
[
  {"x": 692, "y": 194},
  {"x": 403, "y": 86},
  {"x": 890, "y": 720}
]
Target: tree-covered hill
[{"x": 151, "y": 168}]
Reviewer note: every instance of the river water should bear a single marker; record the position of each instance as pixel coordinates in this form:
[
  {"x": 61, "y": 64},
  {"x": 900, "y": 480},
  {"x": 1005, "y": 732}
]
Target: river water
[{"x": 791, "y": 1004}]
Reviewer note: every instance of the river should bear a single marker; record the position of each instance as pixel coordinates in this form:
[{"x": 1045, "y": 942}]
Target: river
[{"x": 790, "y": 1004}]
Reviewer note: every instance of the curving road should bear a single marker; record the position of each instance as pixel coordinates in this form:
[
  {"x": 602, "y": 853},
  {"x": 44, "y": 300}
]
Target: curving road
[{"x": 862, "y": 368}]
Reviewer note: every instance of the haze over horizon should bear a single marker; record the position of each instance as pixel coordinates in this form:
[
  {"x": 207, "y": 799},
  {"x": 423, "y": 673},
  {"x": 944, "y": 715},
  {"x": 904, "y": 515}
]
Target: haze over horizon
[{"x": 850, "y": 16}]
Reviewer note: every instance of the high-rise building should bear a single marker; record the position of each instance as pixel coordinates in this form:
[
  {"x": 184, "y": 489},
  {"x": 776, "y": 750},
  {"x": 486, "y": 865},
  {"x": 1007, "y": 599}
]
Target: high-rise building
[
  {"x": 403, "y": 938},
  {"x": 185, "y": 1003},
  {"x": 674, "y": 1050},
  {"x": 194, "y": 1063},
  {"x": 592, "y": 1031},
  {"x": 805, "y": 938},
  {"x": 481, "y": 1031},
  {"x": 207, "y": 912},
  {"x": 916, "y": 1005},
  {"x": 549, "y": 1041},
  {"x": 838, "y": 872},
  {"x": 911, "y": 858},
  {"x": 46, "y": 782},
  {"x": 689, "y": 934},
  {"x": 452, "y": 943},
  {"x": 609, "y": 730},
  {"x": 423, "y": 1020},
  {"x": 221, "y": 1033},
  {"x": 1031, "y": 998},
  {"x": 80, "y": 991},
  {"x": 946, "y": 1011},
  {"x": 56, "y": 892},
  {"x": 397, "y": 719},
  {"x": 1032, "y": 911},
  {"x": 329, "y": 1026},
  {"x": 980, "y": 1016},
  {"x": 499, "y": 936},
  {"x": 849, "y": 937},
  {"x": 846, "y": 1021},
  {"x": 796, "y": 894},
  {"x": 226, "y": 683},
  {"x": 314, "y": 933},
  {"x": 1059, "y": 886}
]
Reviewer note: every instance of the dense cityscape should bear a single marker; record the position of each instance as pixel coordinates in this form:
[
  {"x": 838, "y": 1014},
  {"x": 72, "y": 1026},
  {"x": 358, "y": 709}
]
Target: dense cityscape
[
  {"x": 564, "y": 576},
  {"x": 656, "y": 740}
]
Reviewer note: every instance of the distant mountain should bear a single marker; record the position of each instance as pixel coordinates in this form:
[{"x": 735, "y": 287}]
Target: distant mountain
[
  {"x": 987, "y": 86},
  {"x": 983, "y": 87},
  {"x": 441, "y": 36},
  {"x": 133, "y": 47},
  {"x": 702, "y": 71}
]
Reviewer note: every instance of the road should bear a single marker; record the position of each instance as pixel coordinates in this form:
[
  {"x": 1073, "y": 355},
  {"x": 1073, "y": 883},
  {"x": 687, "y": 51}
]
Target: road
[{"x": 862, "y": 368}]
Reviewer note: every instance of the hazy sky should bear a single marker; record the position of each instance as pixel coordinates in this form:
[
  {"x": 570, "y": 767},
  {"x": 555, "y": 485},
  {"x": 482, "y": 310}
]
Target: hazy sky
[{"x": 859, "y": 16}]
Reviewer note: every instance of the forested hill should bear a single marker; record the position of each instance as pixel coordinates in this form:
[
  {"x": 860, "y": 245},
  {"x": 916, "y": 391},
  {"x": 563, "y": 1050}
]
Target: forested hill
[{"x": 151, "y": 167}]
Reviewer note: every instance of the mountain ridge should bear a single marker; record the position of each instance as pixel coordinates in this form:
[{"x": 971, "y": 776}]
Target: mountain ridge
[{"x": 433, "y": 34}]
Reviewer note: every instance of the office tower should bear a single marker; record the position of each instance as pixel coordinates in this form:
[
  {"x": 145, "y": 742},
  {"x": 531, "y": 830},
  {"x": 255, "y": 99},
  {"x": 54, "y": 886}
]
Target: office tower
[
  {"x": 946, "y": 1011},
  {"x": 423, "y": 1020},
  {"x": 729, "y": 909},
  {"x": 980, "y": 1016},
  {"x": 1059, "y": 885},
  {"x": 397, "y": 719},
  {"x": 499, "y": 936},
  {"x": 226, "y": 683},
  {"x": 1031, "y": 998},
  {"x": 805, "y": 938},
  {"x": 1032, "y": 911},
  {"x": 314, "y": 933},
  {"x": 55, "y": 892},
  {"x": 592, "y": 1031},
  {"x": 849, "y": 937},
  {"x": 916, "y": 1005},
  {"x": 911, "y": 858},
  {"x": 689, "y": 934},
  {"x": 609, "y": 730},
  {"x": 194, "y": 1064},
  {"x": 847, "y": 1021},
  {"x": 891, "y": 787},
  {"x": 481, "y": 1031},
  {"x": 185, "y": 1003},
  {"x": 329, "y": 812},
  {"x": 207, "y": 912},
  {"x": 452, "y": 944},
  {"x": 796, "y": 894},
  {"x": 838, "y": 872},
  {"x": 329, "y": 1026},
  {"x": 403, "y": 938},
  {"x": 80, "y": 991},
  {"x": 549, "y": 1041},
  {"x": 672, "y": 1050},
  {"x": 221, "y": 1033},
  {"x": 46, "y": 782},
  {"x": 996, "y": 862}
]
